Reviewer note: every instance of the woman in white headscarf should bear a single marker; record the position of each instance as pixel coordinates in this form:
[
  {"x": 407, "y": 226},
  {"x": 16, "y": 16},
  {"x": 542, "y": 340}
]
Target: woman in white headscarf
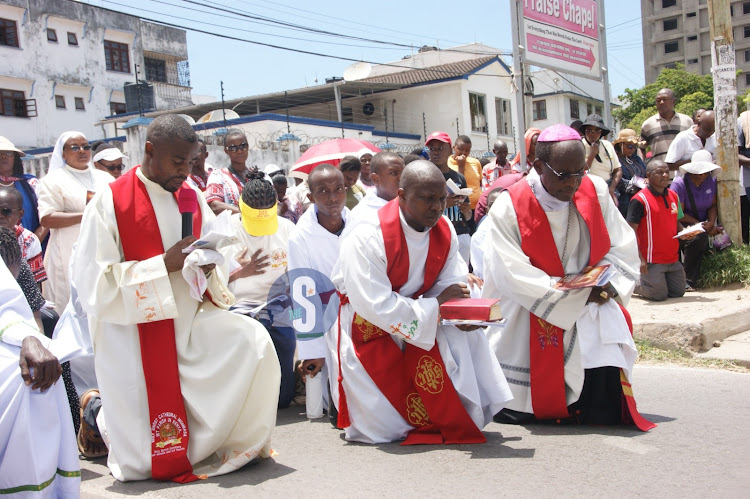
[{"x": 69, "y": 185}]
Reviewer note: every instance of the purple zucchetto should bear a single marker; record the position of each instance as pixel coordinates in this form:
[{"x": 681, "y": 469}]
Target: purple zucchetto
[{"x": 558, "y": 133}]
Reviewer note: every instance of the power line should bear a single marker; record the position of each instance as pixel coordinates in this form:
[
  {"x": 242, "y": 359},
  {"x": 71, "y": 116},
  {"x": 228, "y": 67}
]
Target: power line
[
  {"x": 307, "y": 52},
  {"x": 242, "y": 29}
]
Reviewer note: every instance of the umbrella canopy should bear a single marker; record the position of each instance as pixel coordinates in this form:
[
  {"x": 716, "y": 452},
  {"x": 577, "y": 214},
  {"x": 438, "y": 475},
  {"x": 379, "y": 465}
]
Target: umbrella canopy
[{"x": 330, "y": 151}]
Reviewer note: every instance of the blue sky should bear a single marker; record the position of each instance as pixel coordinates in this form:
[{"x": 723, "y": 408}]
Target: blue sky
[{"x": 248, "y": 69}]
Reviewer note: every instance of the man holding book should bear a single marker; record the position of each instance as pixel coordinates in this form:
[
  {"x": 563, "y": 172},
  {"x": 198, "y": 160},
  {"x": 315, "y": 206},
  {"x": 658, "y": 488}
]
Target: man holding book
[
  {"x": 403, "y": 374},
  {"x": 567, "y": 354}
]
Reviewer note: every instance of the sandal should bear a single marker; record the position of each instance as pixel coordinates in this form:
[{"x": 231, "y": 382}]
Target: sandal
[{"x": 88, "y": 437}]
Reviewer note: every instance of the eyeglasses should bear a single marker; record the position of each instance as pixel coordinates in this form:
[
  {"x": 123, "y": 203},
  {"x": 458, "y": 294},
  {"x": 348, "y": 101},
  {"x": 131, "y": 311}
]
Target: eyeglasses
[
  {"x": 629, "y": 146},
  {"x": 80, "y": 148},
  {"x": 565, "y": 176},
  {"x": 238, "y": 147},
  {"x": 6, "y": 154},
  {"x": 115, "y": 168},
  {"x": 6, "y": 212}
]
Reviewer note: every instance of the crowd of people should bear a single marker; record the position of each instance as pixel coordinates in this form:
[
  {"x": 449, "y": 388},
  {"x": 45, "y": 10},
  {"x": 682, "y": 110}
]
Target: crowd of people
[{"x": 173, "y": 356}]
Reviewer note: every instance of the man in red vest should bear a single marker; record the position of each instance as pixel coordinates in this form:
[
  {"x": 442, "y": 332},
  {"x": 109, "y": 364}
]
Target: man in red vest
[
  {"x": 402, "y": 374},
  {"x": 566, "y": 354},
  {"x": 654, "y": 216},
  {"x": 188, "y": 388}
]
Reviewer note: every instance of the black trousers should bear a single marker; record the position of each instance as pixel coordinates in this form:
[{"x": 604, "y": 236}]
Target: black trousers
[{"x": 692, "y": 253}]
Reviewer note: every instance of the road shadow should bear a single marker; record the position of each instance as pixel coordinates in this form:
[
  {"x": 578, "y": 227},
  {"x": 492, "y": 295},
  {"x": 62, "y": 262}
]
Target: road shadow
[
  {"x": 495, "y": 448},
  {"x": 627, "y": 431},
  {"x": 684, "y": 299},
  {"x": 290, "y": 415},
  {"x": 253, "y": 473}
]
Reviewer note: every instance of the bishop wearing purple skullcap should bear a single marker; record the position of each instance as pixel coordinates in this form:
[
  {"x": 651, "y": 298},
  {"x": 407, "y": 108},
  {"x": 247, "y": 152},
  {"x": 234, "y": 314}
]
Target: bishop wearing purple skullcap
[{"x": 567, "y": 354}]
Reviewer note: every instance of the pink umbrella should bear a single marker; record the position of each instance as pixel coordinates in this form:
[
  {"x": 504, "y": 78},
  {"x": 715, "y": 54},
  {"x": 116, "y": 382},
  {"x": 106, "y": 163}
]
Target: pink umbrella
[{"x": 330, "y": 151}]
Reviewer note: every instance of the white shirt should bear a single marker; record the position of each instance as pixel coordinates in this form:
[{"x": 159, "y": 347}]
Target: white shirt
[{"x": 686, "y": 143}]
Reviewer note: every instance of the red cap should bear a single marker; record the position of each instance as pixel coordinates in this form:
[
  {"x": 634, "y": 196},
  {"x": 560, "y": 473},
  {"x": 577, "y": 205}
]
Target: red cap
[
  {"x": 441, "y": 136},
  {"x": 187, "y": 200}
]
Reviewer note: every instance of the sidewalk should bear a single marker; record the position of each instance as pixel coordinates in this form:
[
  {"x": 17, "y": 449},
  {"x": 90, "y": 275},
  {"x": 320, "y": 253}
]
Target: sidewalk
[{"x": 696, "y": 321}]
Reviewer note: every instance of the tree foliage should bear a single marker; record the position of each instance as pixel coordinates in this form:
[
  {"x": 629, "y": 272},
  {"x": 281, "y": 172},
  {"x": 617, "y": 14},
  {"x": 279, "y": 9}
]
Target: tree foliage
[{"x": 692, "y": 91}]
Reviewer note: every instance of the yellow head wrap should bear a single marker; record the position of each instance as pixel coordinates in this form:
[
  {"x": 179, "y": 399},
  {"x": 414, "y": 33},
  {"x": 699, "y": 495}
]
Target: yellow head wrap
[{"x": 259, "y": 222}]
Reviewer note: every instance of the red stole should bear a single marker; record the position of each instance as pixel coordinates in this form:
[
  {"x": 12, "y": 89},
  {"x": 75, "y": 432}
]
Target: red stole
[
  {"x": 546, "y": 350},
  {"x": 141, "y": 239},
  {"x": 415, "y": 382}
]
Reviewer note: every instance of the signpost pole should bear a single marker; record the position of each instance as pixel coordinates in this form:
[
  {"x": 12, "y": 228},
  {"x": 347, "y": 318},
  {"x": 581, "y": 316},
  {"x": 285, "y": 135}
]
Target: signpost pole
[
  {"x": 517, "y": 83},
  {"x": 603, "y": 64}
]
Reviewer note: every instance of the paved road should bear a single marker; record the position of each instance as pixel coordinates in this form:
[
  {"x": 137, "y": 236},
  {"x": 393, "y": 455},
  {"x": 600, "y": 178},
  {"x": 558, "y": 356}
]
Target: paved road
[{"x": 701, "y": 448}]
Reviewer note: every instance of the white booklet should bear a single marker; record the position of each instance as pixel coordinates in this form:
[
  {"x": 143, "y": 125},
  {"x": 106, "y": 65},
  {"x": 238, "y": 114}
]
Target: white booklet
[
  {"x": 455, "y": 189},
  {"x": 219, "y": 234},
  {"x": 693, "y": 229}
]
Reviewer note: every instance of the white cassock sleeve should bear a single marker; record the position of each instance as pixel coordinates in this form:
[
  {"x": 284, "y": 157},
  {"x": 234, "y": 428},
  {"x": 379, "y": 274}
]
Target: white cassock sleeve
[
  {"x": 366, "y": 283},
  {"x": 509, "y": 273},
  {"x": 125, "y": 292},
  {"x": 129, "y": 292}
]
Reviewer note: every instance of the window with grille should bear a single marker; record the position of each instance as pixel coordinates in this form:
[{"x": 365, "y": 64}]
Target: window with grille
[
  {"x": 478, "y": 109},
  {"x": 540, "y": 109},
  {"x": 116, "y": 56},
  {"x": 117, "y": 108},
  {"x": 156, "y": 69},
  {"x": 671, "y": 47},
  {"x": 670, "y": 24},
  {"x": 575, "y": 112},
  {"x": 503, "y": 117},
  {"x": 665, "y": 4},
  {"x": 13, "y": 103},
  {"x": 51, "y": 35},
  {"x": 8, "y": 33},
  {"x": 746, "y": 7},
  {"x": 79, "y": 104}
]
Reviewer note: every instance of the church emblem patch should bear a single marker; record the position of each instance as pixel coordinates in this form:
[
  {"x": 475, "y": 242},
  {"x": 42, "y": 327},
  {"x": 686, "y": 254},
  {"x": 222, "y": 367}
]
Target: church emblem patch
[
  {"x": 368, "y": 329},
  {"x": 429, "y": 375},
  {"x": 415, "y": 411},
  {"x": 167, "y": 432},
  {"x": 547, "y": 335}
]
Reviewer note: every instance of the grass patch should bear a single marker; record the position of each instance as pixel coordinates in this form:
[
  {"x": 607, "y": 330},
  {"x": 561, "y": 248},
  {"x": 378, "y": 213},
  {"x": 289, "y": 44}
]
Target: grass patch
[
  {"x": 725, "y": 267},
  {"x": 650, "y": 354}
]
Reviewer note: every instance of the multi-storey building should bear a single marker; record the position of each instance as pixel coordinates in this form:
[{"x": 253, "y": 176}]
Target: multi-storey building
[
  {"x": 65, "y": 66},
  {"x": 677, "y": 31}
]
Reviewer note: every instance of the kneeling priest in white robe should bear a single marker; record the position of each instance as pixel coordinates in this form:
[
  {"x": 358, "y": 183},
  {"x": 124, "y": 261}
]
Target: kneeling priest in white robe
[
  {"x": 567, "y": 355},
  {"x": 188, "y": 388},
  {"x": 403, "y": 374}
]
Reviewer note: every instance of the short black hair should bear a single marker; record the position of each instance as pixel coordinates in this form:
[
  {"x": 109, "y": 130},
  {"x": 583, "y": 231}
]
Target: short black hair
[
  {"x": 464, "y": 139},
  {"x": 168, "y": 127},
  {"x": 258, "y": 192},
  {"x": 321, "y": 168},
  {"x": 233, "y": 132},
  {"x": 201, "y": 140},
  {"x": 381, "y": 159},
  {"x": 10, "y": 250},
  {"x": 13, "y": 194},
  {"x": 350, "y": 164},
  {"x": 411, "y": 157},
  {"x": 101, "y": 147},
  {"x": 279, "y": 178}
]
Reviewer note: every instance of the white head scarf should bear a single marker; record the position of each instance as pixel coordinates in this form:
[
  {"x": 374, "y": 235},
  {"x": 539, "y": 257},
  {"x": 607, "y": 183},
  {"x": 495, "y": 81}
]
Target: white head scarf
[{"x": 56, "y": 161}]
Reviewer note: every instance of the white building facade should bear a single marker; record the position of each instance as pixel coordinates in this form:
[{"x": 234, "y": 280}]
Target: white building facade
[{"x": 65, "y": 66}]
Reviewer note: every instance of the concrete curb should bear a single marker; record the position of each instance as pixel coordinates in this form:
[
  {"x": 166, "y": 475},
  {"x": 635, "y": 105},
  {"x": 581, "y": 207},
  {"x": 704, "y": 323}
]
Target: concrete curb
[
  {"x": 694, "y": 336},
  {"x": 695, "y": 321}
]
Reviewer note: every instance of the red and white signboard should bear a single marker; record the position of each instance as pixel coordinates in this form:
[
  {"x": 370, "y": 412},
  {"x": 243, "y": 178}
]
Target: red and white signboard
[{"x": 562, "y": 35}]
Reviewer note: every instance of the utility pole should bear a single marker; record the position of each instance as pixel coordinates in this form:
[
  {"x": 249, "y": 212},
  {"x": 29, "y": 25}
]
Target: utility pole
[
  {"x": 517, "y": 83},
  {"x": 603, "y": 64},
  {"x": 724, "y": 72}
]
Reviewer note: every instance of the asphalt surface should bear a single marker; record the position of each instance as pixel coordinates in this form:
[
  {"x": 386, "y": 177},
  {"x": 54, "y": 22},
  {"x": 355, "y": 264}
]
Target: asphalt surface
[{"x": 701, "y": 448}]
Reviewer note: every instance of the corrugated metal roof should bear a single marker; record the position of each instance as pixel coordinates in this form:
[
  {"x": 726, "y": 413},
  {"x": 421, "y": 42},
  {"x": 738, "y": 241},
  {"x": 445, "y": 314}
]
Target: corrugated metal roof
[{"x": 433, "y": 73}]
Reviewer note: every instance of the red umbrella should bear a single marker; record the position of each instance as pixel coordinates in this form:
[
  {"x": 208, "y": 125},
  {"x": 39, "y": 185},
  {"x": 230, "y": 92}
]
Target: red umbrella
[{"x": 330, "y": 151}]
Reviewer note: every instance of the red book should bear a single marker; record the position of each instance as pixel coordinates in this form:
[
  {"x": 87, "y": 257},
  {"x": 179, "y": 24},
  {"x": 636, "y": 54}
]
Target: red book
[{"x": 471, "y": 309}]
